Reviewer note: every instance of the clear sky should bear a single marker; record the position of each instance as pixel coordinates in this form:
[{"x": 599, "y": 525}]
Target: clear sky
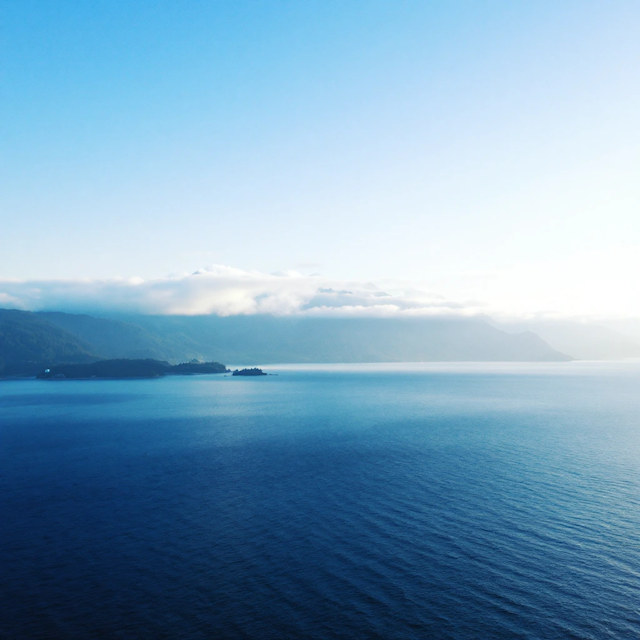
[{"x": 484, "y": 150}]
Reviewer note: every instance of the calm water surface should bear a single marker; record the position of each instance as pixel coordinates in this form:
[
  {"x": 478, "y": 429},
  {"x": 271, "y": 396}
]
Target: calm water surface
[{"x": 416, "y": 501}]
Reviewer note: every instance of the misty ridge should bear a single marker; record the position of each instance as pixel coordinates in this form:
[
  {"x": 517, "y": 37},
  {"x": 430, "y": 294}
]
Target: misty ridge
[
  {"x": 29, "y": 341},
  {"x": 32, "y": 340}
]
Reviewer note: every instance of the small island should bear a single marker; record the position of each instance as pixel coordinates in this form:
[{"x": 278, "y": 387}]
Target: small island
[{"x": 249, "y": 372}]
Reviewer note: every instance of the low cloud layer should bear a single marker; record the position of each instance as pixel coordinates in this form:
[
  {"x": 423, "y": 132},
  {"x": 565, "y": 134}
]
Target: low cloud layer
[{"x": 227, "y": 291}]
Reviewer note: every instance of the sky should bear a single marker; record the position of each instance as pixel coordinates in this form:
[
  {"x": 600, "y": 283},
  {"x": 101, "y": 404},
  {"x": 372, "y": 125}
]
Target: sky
[{"x": 484, "y": 153}]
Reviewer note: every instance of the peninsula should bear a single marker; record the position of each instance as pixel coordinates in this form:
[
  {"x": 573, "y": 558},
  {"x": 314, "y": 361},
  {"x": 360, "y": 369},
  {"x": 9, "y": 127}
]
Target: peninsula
[{"x": 125, "y": 368}]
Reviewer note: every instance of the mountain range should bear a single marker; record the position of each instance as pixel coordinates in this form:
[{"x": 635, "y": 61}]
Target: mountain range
[
  {"x": 581, "y": 340},
  {"x": 30, "y": 341}
]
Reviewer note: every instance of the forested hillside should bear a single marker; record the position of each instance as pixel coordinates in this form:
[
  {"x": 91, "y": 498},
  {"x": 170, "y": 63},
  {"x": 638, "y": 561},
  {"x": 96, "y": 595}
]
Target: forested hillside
[{"x": 28, "y": 341}]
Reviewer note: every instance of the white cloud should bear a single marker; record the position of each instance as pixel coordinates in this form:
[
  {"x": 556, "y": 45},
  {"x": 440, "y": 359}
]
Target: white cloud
[{"x": 225, "y": 291}]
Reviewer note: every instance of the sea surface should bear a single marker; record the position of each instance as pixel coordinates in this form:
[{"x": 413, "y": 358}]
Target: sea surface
[{"x": 373, "y": 501}]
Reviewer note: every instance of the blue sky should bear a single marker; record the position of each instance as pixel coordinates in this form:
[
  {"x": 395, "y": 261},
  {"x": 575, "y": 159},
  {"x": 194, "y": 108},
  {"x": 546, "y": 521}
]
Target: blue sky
[{"x": 487, "y": 151}]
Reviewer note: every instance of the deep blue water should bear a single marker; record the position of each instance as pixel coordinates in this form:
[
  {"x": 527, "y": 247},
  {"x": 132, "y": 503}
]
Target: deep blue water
[{"x": 350, "y": 502}]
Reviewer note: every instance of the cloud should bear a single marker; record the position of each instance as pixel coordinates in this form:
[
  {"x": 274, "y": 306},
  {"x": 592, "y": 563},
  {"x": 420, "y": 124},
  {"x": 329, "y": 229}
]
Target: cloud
[{"x": 226, "y": 291}]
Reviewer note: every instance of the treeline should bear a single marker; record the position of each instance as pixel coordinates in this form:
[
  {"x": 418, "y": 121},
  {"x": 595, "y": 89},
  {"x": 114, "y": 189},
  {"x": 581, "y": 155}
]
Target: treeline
[
  {"x": 125, "y": 368},
  {"x": 29, "y": 342}
]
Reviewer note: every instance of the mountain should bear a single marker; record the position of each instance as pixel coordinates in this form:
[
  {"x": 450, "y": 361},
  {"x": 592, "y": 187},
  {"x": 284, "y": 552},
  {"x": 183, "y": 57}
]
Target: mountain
[
  {"x": 583, "y": 341},
  {"x": 270, "y": 339},
  {"x": 53, "y": 338},
  {"x": 629, "y": 327},
  {"x": 113, "y": 338},
  {"x": 29, "y": 342}
]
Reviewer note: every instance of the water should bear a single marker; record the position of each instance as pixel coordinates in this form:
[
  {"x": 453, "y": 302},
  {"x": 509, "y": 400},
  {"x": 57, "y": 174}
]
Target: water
[{"x": 414, "y": 501}]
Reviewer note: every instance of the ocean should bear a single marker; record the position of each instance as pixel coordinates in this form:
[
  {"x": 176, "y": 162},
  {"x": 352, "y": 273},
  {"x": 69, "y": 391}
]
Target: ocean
[{"x": 365, "y": 501}]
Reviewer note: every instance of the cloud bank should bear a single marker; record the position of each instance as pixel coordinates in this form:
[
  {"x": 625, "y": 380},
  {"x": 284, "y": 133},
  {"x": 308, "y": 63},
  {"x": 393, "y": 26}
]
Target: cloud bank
[{"x": 226, "y": 291}]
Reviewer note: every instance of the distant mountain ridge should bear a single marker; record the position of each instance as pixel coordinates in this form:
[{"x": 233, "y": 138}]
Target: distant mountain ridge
[
  {"x": 30, "y": 341},
  {"x": 584, "y": 341},
  {"x": 271, "y": 339}
]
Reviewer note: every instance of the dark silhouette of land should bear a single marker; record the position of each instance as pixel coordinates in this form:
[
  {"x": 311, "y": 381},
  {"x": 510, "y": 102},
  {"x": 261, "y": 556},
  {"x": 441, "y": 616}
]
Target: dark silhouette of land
[
  {"x": 124, "y": 368},
  {"x": 32, "y": 342}
]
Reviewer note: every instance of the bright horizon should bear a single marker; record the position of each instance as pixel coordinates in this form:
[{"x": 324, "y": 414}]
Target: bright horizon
[{"x": 463, "y": 157}]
